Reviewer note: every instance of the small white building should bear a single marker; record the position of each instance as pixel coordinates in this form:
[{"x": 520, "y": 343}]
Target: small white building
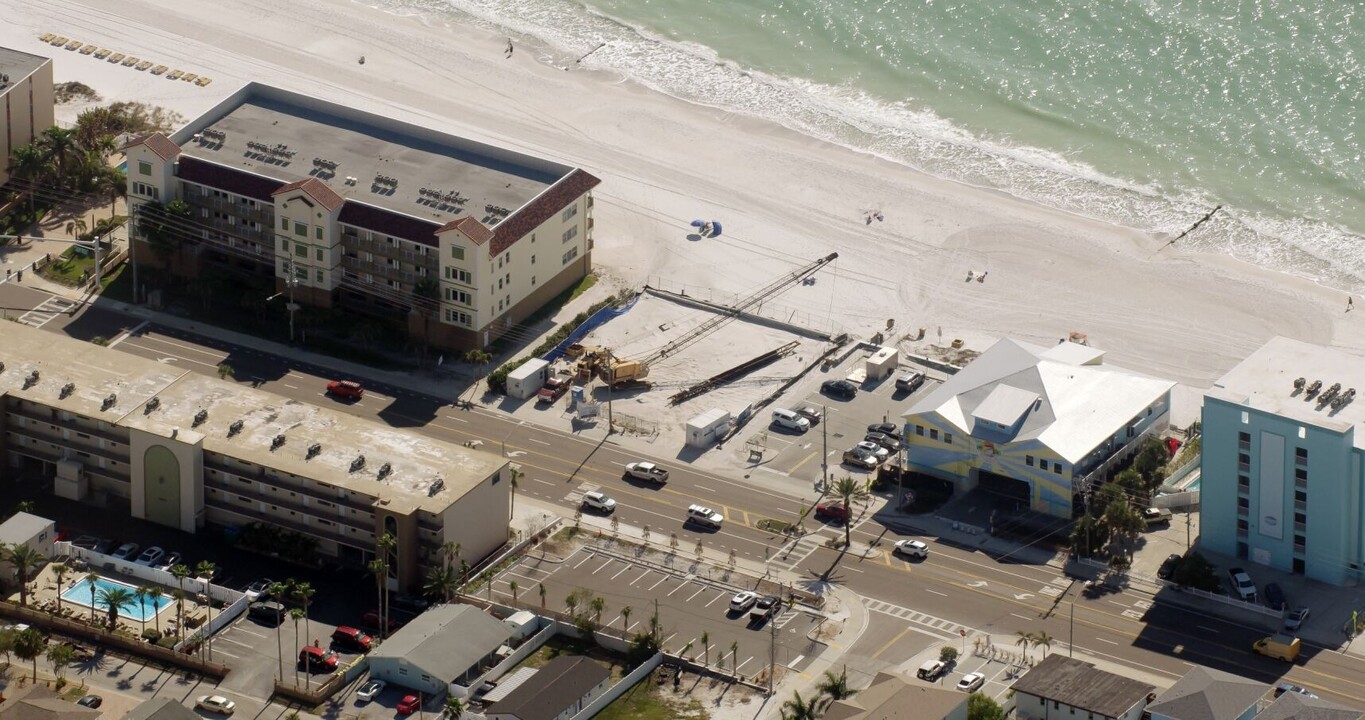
[
  {"x": 1060, "y": 687},
  {"x": 704, "y": 429},
  {"x": 558, "y": 691},
  {"x": 523, "y": 382},
  {"x": 445, "y": 649},
  {"x": 882, "y": 363},
  {"x": 24, "y": 529}
]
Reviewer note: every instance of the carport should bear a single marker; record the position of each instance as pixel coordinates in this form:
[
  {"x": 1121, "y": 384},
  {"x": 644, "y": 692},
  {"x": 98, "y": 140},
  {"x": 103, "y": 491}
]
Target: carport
[{"x": 1006, "y": 493}]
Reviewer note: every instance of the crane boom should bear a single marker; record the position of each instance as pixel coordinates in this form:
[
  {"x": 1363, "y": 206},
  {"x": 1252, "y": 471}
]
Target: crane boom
[{"x": 770, "y": 290}]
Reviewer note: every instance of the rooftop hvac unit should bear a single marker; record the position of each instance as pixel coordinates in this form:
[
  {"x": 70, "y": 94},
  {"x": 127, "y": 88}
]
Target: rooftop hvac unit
[
  {"x": 67, "y": 389},
  {"x": 1331, "y": 393},
  {"x": 1341, "y": 400},
  {"x": 1313, "y": 389},
  {"x": 357, "y": 463},
  {"x": 384, "y": 471},
  {"x": 152, "y": 404},
  {"x": 276, "y": 442},
  {"x": 1299, "y": 383},
  {"x": 437, "y": 485},
  {"x": 109, "y": 401},
  {"x": 200, "y": 417},
  {"x": 234, "y": 428},
  {"x": 31, "y": 380},
  {"x": 313, "y": 450}
]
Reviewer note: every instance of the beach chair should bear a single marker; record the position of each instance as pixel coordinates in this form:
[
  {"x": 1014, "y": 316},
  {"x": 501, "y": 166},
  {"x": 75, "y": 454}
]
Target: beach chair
[
  {"x": 160, "y": 70},
  {"x": 46, "y": 37},
  {"x": 189, "y": 77},
  {"x": 74, "y": 45},
  {"x": 116, "y": 58},
  {"x": 102, "y": 53},
  {"x": 131, "y": 61},
  {"x": 59, "y": 40},
  {"x": 175, "y": 74},
  {"x": 144, "y": 64},
  {"x": 203, "y": 81},
  {"x": 88, "y": 49}
]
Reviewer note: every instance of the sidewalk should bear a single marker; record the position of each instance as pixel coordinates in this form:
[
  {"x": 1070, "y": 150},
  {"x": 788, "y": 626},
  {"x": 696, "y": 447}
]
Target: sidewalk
[{"x": 970, "y": 538}]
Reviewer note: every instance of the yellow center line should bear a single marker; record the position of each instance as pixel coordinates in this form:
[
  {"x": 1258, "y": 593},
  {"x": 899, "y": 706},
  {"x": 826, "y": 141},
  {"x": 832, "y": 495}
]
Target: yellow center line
[{"x": 889, "y": 643}]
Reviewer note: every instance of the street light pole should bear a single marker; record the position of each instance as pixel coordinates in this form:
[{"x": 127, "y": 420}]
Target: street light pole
[{"x": 1071, "y": 636}]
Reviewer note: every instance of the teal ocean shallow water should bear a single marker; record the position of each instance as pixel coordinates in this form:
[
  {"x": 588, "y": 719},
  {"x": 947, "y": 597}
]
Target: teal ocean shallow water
[{"x": 1143, "y": 113}]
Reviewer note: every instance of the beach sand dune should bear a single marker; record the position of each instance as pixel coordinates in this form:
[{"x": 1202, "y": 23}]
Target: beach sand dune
[{"x": 784, "y": 198}]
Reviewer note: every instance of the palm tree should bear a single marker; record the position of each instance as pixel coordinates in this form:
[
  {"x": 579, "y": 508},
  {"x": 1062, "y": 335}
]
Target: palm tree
[
  {"x": 60, "y": 570},
  {"x": 1023, "y": 639},
  {"x": 377, "y": 569},
  {"x": 835, "y": 687},
  {"x": 304, "y": 592},
  {"x": 179, "y": 597},
  {"x": 28, "y": 164},
  {"x": 279, "y": 590},
  {"x": 60, "y": 149},
  {"x": 386, "y": 545},
  {"x": 114, "y": 182},
  {"x": 540, "y": 588},
  {"x": 515, "y": 474},
  {"x": 28, "y": 645},
  {"x": 480, "y": 358},
  {"x": 598, "y": 605},
  {"x": 76, "y": 228},
  {"x": 140, "y": 595},
  {"x": 24, "y": 559},
  {"x": 512, "y": 586},
  {"x": 205, "y": 571},
  {"x": 571, "y": 602},
  {"x": 705, "y": 648},
  {"x": 60, "y": 656},
  {"x": 454, "y": 709},
  {"x": 798, "y": 709},
  {"x": 1043, "y": 640},
  {"x": 115, "y": 598},
  {"x": 296, "y": 614},
  {"x": 849, "y": 490},
  {"x": 625, "y": 619},
  {"x": 180, "y": 571},
  {"x": 92, "y": 580},
  {"x": 441, "y": 582}
]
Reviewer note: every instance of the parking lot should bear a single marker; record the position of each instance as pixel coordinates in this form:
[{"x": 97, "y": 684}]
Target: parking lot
[
  {"x": 843, "y": 425},
  {"x": 688, "y": 607},
  {"x": 252, "y": 649}
]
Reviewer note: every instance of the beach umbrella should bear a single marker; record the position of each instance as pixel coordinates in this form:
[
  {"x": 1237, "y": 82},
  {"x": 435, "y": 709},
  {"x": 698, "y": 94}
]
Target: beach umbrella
[
  {"x": 698, "y": 223},
  {"x": 715, "y": 228}
]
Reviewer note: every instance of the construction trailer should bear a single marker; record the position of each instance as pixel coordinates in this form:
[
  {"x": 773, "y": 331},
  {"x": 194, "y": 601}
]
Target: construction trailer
[{"x": 526, "y": 380}]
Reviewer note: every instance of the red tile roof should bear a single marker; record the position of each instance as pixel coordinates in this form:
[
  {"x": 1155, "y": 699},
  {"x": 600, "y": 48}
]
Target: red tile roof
[
  {"x": 225, "y": 178},
  {"x": 475, "y": 230},
  {"x": 541, "y": 209},
  {"x": 316, "y": 189},
  {"x": 157, "y": 143},
  {"x": 389, "y": 223}
]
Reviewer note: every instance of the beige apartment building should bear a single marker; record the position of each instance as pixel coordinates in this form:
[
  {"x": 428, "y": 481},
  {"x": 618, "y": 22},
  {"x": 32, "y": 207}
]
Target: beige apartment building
[
  {"x": 184, "y": 450},
  {"x": 27, "y": 103},
  {"x": 459, "y": 240}
]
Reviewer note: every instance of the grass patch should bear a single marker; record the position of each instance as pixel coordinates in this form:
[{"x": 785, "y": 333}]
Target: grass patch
[
  {"x": 775, "y": 526},
  {"x": 69, "y": 269},
  {"x": 645, "y": 701},
  {"x": 583, "y": 286}
]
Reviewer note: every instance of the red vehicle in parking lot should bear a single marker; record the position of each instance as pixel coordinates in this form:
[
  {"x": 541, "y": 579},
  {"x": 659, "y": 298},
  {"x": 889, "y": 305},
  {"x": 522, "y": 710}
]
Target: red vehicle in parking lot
[
  {"x": 349, "y": 389},
  {"x": 351, "y": 639},
  {"x": 317, "y": 659},
  {"x": 408, "y": 705},
  {"x": 371, "y": 620},
  {"x": 553, "y": 390},
  {"x": 832, "y": 510}
]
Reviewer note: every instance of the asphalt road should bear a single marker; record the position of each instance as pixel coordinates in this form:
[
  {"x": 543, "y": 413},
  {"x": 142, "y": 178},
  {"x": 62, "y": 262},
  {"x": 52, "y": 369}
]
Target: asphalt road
[{"x": 955, "y": 587}]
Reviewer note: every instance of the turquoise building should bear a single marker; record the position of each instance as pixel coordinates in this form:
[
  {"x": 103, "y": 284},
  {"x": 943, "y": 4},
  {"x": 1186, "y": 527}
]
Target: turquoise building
[
  {"x": 1281, "y": 481},
  {"x": 1032, "y": 422}
]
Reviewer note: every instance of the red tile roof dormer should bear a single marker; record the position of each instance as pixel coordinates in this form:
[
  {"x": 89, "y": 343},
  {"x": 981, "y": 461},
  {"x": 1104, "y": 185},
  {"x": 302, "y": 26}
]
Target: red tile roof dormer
[
  {"x": 476, "y": 231},
  {"x": 315, "y": 189},
  {"x": 157, "y": 143}
]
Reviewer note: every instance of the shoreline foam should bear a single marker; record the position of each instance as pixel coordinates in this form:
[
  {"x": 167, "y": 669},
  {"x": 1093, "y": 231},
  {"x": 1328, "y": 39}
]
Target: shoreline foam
[{"x": 785, "y": 198}]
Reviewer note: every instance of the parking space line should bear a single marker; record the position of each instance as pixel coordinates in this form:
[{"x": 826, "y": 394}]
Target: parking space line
[
  {"x": 524, "y": 577},
  {"x": 594, "y": 572},
  {"x": 586, "y": 557},
  {"x": 618, "y": 572},
  {"x": 248, "y": 632},
  {"x": 657, "y": 584},
  {"x": 699, "y": 591},
  {"x": 665, "y": 642},
  {"x": 679, "y": 587},
  {"x": 714, "y": 599},
  {"x": 632, "y": 582},
  {"x": 234, "y": 642},
  {"x": 216, "y": 651},
  {"x": 746, "y": 662}
]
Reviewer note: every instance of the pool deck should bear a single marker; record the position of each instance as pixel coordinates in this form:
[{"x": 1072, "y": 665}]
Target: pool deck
[{"x": 44, "y": 591}]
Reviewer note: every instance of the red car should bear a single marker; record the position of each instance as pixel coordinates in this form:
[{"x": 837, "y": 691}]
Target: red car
[
  {"x": 346, "y": 389},
  {"x": 831, "y": 510},
  {"x": 317, "y": 659},
  {"x": 408, "y": 705},
  {"x": 351, "y": 639},
  {"x": 371, "y": 620}
]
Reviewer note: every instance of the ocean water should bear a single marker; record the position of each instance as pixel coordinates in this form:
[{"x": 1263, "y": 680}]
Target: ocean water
[{"x": 1146, "y": 113}]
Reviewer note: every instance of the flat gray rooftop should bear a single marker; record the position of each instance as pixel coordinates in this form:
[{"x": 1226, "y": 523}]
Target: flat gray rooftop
[
  {"x": 95, "y": 373},
  {"x": 18, "y": 65},
  {"x": 1264, "y": 381},
  {"x": 282, "y": 139}
]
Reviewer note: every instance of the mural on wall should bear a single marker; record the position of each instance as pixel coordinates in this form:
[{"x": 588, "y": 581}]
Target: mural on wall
[{"x": 161, "y": 486}]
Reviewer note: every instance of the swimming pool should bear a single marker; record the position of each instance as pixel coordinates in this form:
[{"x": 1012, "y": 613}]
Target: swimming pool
[{"x": 79, "y": 593}]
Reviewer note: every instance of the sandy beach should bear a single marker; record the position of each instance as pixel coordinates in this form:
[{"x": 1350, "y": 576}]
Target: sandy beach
[{"x": 784, "y": 199}]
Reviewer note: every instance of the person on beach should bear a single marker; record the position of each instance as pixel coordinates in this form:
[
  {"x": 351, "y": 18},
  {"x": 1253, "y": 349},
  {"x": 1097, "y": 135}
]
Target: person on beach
[
  {"x": 509, "y": 47},
  {"x": 1350, "y": 303}
]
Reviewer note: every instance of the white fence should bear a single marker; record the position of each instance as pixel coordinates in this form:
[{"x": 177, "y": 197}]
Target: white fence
[
  {"x": 100, "y": 561},
  {"x": 218, "y": 622},
  {"x": 615, "y": 691},
  {"x": 1186, "y": 500}
]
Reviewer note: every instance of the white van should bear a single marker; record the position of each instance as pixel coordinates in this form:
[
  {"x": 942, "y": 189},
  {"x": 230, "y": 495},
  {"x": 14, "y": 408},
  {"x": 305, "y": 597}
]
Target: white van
[{"x": 783, "y": 417}]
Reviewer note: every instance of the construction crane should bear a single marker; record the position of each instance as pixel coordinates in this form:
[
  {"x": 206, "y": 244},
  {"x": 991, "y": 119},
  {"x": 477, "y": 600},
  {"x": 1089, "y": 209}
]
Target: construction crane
[{"x": 617, "y": 371}]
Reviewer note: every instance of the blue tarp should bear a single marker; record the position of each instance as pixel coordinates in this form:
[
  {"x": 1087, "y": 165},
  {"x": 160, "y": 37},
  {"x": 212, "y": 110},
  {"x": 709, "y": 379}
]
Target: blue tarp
[{"x": 593, "y": 322}]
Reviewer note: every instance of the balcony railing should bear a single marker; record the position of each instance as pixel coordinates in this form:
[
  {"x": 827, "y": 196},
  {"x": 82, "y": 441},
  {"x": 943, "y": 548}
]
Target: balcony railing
[
  {"x": 265, "y": 476},
  {"x": 363, "y": 542}
]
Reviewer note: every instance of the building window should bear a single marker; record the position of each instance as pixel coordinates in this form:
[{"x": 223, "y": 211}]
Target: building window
[
  {"x": 284, "y": 244},
  {"x": 317, "y": 232},
  {"x": 919, "y": 430},
  {"x": 1300, "y": 456},
  {"x": 948, "y": 438},
  {"x": 317, "y": 254},
  {"x": 145, "y": 168},
  {"x": 1244, "y": 437},
  {"x": 533, "y": 281},
  {"x": 457, "y": 317},
  {"x": 301, "y": 229},
  {"x": 1242, "y": 526},
  {"x": 569, "y": 212},
  {"x": 499, "y": 283},
  {"x": 570, "y": 234},
  {"x": 499, "y": 262},
  {"x": 459, "y": 275},
  {"x": 1042, "y": 464},
  {"x": 320, "y": 276},
  {"x": 301, "y": 273},
  {"x": 1300, "y": 496},
  {"x": 1028, "y": 460},
  {"x": 1243, "y": 503},
  {"x": 1243, "y": 458},
  {"x": 456, "y": 252},
  {"x": 1056, "y": 468},
  {"x": 284, "y": 223},
  {"x": 933, "y": 433},
  {"x": 569, "y": 256},
  {"x": 300, "y": 250},
  {"x": 533, "y": 259},
  {"x": 458, "y": 296},
  {"x": 1243, "y": 482}
]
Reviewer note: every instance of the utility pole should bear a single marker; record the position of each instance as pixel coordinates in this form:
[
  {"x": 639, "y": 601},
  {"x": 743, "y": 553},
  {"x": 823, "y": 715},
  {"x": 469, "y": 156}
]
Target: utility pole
[
  {"x": 610, "y": 375},
  {"x": 824, "y": 452},
  {"x": 1071, "y": 636},
  {"x": 1187, "y": 530},
  {"x": 772, "y": 646},
  {"x": 900, "y": 475},
  {"x": 133, "y": 229}
]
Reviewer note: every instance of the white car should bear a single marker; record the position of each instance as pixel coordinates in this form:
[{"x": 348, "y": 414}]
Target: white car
[
  {"x": 647, "y": 471},
  {"x": 150, "y": 556},
  {"x": 872, "y": 448},
  {"x": 743, "y": 600},
  {"x": 599, "y": 501},
  {"x": 971, "y": 682},
  {"x": 215, "y": 704},
  {"x": 370, "y": 690},
  {"x": 168, "y": 561},
  {"x": 911, "y": 548},
  {"x": 704, "y": 515}
]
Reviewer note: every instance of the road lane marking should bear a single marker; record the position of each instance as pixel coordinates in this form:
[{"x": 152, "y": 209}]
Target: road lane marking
[
  {"x": 703, "y": 488},
  {"x": 891, "y": 642},
  {"x": 1205, "y": 627},
  {"x": 796, "y": 660},
  {"x": 1111, "y": 642},
  {"x": 1021, "y": 617},
  {"x": 538, "y": 441},
  {"x": 936, "y": 592}
]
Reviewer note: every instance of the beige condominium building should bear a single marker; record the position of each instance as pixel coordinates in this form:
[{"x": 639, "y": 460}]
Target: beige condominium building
[
  {"x": 185, "y": 450},
  {"x": 455, "y": 238},
  {"x": 27, "y": 103}
]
